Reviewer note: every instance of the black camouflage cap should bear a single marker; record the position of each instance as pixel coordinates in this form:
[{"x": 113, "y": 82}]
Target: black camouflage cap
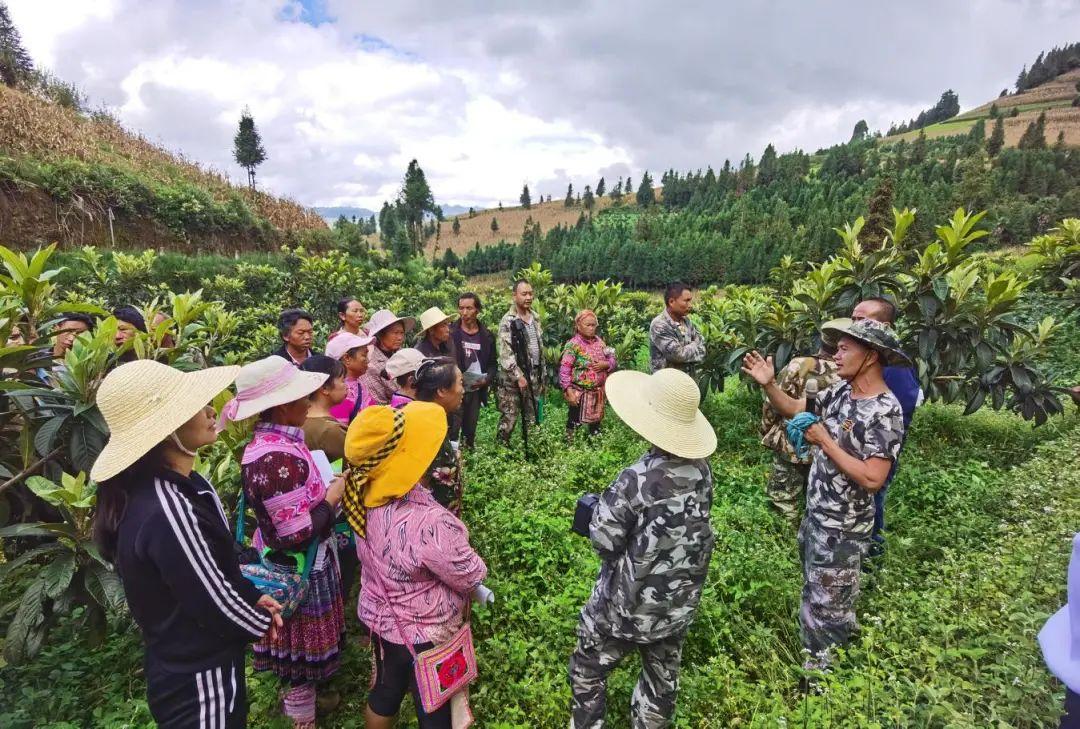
[{"x": 873, "y": 334}]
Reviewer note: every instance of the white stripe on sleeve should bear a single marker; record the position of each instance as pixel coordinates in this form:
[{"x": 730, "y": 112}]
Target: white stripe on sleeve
[{"x": 185, "y": 529}]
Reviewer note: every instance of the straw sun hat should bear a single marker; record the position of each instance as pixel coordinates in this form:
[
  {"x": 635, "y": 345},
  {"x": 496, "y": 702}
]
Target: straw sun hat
[
  {"x": 384, "y": 318},
  {"x": 144, "y": 401},
  {"x": 663, "y": 409},
  {"x": 432, "y": 317},
  {"x": 268, "y": 383}
]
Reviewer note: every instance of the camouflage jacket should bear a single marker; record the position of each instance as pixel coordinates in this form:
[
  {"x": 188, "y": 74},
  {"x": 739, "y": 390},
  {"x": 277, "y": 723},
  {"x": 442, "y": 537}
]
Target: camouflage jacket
[
  {"x": 792, "y": 382},
  {"x": 868, "y": 427},
  {"x": 509, "y": 372},
  {"x": 651, "y": 528},
  {"x": 674, "y": 344}
]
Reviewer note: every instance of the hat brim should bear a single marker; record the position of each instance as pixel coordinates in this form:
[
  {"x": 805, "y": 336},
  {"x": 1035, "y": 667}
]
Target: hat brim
[
  {"x": 1055, "y": 639},
  {"x": 628, "y": 393},
  {"x": 423, "y": 328},
  {"x": 892, "y": 356},
  {"x": 195, "y": 391},
  {"x": 420, "y": 443},
  {"x": 407, "y": 321},
  {"x": 300, "y": 385}
]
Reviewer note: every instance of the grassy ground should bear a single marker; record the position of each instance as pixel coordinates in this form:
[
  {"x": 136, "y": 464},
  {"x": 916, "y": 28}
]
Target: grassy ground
[{"x": 980, "y": 517}]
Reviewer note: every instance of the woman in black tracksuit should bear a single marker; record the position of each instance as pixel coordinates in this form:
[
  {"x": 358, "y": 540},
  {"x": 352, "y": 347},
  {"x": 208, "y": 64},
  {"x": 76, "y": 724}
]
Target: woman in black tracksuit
[{"x": 164, "y": 528}]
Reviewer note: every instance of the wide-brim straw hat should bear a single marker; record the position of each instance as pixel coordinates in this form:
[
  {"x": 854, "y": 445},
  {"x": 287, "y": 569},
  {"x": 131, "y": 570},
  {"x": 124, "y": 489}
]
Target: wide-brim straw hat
[
  {"x": 873, "y": 334},
  {"x": 144, "y": 401},
  {"x": 397, "y": 471},
  {"x": 432, "y": 317},
  {"x": 383, "y": 318},
  {"x": 267, "y": 383},
  {"x": 345, "y": 342},
  {"x": 663, "y": 409}
]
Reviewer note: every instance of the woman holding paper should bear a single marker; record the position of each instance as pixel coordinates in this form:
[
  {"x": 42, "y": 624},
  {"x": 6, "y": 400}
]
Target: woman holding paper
[{"x": 294, "y": 506}]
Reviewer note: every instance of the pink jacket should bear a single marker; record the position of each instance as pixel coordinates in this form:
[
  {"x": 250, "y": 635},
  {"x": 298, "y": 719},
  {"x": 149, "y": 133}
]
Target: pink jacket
[{"x": 421, "y": 551}]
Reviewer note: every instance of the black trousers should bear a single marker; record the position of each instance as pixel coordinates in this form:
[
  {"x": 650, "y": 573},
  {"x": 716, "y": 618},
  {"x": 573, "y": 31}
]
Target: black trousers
[
  {"x": 573, "y": 420},
  {"x": 1071, "y": 718},
  {"x": 394, "y": 677},
  {"x": 212, "y": 699},
  {"x": 464, "y": 425}
]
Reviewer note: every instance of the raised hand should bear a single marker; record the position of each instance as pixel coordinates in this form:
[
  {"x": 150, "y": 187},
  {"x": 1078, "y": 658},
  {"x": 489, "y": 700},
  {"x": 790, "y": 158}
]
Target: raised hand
[{"x": 760, "y": 369}]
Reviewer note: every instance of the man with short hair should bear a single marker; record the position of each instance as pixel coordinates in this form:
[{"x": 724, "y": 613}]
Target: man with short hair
[
  {"x": 904, "y": 383},
  {"x": 514, "y": 388},
  {"x": 296, "y": 328},
  {"x": 674, "y": 341},
  {"x": 475, "y": 348},
  {"x": 787, "y": 480},
  {"x": 858, "y": 438},
  {"x": 71, "y": 325}
]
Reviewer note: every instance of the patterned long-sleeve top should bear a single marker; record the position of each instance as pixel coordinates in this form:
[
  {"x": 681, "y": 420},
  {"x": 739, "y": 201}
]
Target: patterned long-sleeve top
[
  {"x": 577, "y": 355},
  {"x": 421, "y": 553},
  {"x": 284, "y": 490},
  {"x": 792, "y": 382},
  {"x": 377, "y": 387},
  {"x": 651, "y": 528},
  {"x": 676, "y": 344}
]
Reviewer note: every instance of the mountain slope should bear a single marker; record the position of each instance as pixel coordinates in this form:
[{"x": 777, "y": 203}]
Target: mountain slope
[
  {"x": 1053, "y": 97},
  {"x": 62, "y": 173}
]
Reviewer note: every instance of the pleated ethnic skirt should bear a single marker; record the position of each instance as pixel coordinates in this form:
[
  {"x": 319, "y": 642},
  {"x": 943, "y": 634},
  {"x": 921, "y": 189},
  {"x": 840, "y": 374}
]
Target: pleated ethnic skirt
[{"x": 306, "y": 649}]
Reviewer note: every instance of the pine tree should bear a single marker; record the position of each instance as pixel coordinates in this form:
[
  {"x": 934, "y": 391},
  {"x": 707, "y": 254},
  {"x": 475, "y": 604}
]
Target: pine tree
[
  {"x": 646, "y": 196},
  {"x": 472, "y": 213},
  {"x": 860, "y": 132},
  {"x": 456, "y": 227},
  {"x": 768, "y": 169},
  {"x": 629, "y": 186},
  {"x": 997, "y": 138},
  {"x": 15, "y": 63},
  {"x": 1034, "y": 137},
  {"x": 247, "y": 146},
  {"x": 994, "y": 111},
  {"x": 494, "y": 225},
  {"x": 414, "y": 201},
  {"x": 569, "y": 201},
  {"x": 1059, "y": 144},
  {"x": 879, "y": 214},
  {"x": 978, "y": 131},
  {"x": 526, "y": 201},
  {"x": 600, "y": 188},
  {"x": 587, "y": 199}
]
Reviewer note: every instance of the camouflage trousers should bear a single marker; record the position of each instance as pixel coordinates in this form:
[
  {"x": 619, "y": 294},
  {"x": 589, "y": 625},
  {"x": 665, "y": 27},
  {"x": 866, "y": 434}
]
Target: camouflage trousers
[
  {"x": 652, "y": 705},
  {"x": 509, "y": 399},
  {"x": 832, "y": 562},
  {"x": 786, "y": 485}
]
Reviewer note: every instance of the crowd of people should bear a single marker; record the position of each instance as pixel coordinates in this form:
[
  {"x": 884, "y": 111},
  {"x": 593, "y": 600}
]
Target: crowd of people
[{"x": 353, "y": 471}]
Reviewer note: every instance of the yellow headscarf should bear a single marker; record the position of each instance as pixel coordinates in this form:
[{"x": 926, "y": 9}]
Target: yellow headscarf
[{"x": 388, "y": 451}]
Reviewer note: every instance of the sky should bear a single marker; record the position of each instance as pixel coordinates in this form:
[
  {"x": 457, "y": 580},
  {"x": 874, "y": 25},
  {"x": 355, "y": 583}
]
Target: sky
[{"x": 489, "y": 95}]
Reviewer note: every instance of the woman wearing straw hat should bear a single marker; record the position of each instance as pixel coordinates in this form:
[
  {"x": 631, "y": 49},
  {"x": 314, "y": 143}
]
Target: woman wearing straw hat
[
  {"x": 418, "y": 568},
  {"x": 434, "y": 334},
  {"x": 389, "y": 331},
  {"x": 585, "y": 365},
  {"x": 163, "y": 527},
  {"x": 651, "y": 528},
  {"x": 293, "y": 507}
]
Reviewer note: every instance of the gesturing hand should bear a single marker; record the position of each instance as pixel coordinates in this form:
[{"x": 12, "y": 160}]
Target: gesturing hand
[
  {"x": 761, "y": 370},
  {"x": 275, "y": 614}
]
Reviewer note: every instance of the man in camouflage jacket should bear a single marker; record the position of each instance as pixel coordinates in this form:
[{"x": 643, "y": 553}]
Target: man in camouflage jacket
[
  {"x": 512, "y": 388},
  {"x": 858, "y": 439},
  {"x": 674, "y": 341},
  {"x": 789, "y": 472},
  {"x": 651, "y": 528}
]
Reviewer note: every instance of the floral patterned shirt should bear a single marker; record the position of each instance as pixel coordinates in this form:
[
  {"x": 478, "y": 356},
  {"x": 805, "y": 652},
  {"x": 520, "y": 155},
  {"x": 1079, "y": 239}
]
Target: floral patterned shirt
[{"x": 577, "y": 355}]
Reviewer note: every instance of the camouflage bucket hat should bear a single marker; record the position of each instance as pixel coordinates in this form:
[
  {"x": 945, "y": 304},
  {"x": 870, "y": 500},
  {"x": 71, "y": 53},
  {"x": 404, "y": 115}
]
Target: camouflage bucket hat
[
  {"x": 828, "y": 330},
  {"x": 873, "y": 334}
]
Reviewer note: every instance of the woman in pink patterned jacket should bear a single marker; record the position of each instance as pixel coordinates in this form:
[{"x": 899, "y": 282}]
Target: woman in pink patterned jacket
[
  {"x": 418, "y": 570},
  {"x": 586, "y": 362}
]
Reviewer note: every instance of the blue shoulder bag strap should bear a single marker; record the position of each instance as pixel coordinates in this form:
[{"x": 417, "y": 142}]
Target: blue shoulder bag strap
[{"x": 303, "y": 559}]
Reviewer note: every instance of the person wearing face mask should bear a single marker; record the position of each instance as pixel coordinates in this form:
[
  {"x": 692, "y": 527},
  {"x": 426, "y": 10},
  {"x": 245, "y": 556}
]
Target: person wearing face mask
[
  {"x": 295, "y": 511},
  {"x": 163, "y": 527},
  {"x": 857, "y": 439}
]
